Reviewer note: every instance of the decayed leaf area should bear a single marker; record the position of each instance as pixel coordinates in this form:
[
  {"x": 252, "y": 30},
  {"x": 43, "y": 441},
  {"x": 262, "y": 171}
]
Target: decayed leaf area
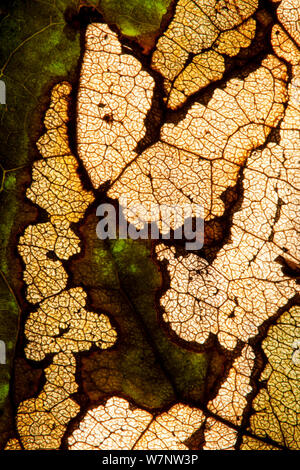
[
  {"x": 61, "y": 325},
  {"x": 246, "y": 131}
]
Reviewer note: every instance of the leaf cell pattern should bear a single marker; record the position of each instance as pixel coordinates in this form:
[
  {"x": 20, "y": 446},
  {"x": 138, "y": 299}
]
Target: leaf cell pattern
[
  {"x": 217, "y": 133},
  {"x": 60, "y": 325},
  {"x": 214, "y": 140},
  {"x": 190, "y": 54},
  {"x": 244, "y": 286},
  {"x": 114, "y": 97},
  {"x": 116, "y": 426},
  {"x": 276, "y": 407}
]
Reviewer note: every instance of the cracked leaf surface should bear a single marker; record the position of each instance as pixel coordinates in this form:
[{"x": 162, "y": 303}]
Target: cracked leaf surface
[
  {"x": 61, "y": 324},
  {"x": 213, "y": 140},
  {"x": 116, "y": 426},
  {"x": 244, "y": 285},
  {"x": 234, "y": 149},
  {"x": 276, "y": 407},
  {"x": 190, "y": 53}
]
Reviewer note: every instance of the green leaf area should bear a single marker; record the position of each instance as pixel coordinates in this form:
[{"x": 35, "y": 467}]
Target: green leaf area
[
  {"x": 134, "y": 17},
  {"x": 137, "y": 19},
  {"x": 145, "y": 365}
]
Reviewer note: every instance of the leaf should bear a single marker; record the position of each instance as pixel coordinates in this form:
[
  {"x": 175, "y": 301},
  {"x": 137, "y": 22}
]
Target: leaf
[
  {"x": 36, "y": 48},
  {"x": 136, "y": 19},
  {"x": 276, "y": 407},
  {"x": 116, "y": 426},
  {"x": 61, "y": 325},
  {"x": 191, "y": 53},
  {"x": 213, "y": 363}
]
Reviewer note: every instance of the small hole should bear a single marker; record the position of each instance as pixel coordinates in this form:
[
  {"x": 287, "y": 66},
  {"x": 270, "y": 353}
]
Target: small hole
[{"x": 108, "y": 118}]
